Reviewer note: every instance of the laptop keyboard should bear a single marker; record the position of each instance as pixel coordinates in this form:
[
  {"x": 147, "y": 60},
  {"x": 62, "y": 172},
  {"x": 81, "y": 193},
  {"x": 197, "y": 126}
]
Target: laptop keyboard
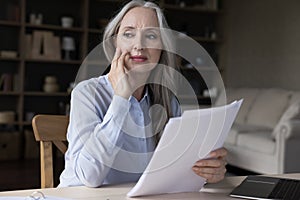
[{"x": 286, "y": 190}]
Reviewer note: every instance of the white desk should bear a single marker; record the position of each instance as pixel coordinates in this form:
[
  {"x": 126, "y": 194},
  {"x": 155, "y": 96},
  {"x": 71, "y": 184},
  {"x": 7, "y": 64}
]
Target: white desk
[{"x": 118, "y": 192}]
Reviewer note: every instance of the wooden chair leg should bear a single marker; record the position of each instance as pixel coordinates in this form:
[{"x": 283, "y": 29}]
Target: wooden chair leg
[{"x": 46, "y": 165}]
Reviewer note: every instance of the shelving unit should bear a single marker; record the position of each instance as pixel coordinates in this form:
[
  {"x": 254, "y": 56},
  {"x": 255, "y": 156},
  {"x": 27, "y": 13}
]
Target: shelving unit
[
  {"x": 90, "y": 16},
  {"x": 9, "y": 23},
  {"x": 200, "y": 21}
]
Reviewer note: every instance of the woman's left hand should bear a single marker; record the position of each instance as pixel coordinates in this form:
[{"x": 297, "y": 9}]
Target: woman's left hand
[{"x": 213, "y": 168}]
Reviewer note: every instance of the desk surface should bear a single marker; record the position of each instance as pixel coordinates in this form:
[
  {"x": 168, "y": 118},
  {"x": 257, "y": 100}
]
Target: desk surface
[{"x": 118, "y": 192}]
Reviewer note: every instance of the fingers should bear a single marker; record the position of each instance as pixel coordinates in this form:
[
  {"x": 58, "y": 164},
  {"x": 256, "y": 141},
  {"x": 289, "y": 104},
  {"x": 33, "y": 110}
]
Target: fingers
[
  {"x": 211, "y": 175},
  {"x": 211, "y": 163},
  {"x": 222, "y": 152},
  {"x": 118, "y": 61},
  {"x": 213, "y": 168},
  {"x": 121, "y": 61},
  {"x": 118, "y": 76},
  {"x": 210, "y": 170},
  {"x": 117, "y": 54},
  {"x": 213, "y": 171},
  {"x": 217, "y": 158}
]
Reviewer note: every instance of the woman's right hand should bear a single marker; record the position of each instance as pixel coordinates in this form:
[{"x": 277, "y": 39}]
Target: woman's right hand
[{"x": 118, "y": 76}]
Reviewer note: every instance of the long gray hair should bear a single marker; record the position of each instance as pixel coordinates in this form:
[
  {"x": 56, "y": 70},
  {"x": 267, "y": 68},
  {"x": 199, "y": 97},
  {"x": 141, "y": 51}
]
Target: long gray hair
[{"x": 164, "y": 75}]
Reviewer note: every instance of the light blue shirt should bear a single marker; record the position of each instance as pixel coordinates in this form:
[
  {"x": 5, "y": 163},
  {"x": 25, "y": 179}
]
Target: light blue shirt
[{"x": 109, "y": 136}]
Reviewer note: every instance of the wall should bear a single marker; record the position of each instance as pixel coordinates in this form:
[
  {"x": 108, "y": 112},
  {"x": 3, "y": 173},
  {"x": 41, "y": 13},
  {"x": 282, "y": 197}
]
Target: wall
[{"x": 262, "y": 43}]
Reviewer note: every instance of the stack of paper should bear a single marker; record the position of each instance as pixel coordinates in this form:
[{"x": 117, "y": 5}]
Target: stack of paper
[
  {"x": 185, "y": 140},
  {"x": 32, "y": 198}
]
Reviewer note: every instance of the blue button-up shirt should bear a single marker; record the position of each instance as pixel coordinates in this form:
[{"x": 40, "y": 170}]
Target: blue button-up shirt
[{"x": 110, "y": 138}]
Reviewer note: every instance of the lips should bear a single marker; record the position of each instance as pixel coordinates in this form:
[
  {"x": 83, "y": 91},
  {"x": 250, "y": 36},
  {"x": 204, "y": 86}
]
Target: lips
[{"x": 138, "y": 58}]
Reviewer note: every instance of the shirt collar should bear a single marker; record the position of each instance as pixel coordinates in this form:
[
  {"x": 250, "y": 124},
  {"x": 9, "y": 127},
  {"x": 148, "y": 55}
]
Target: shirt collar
[{"x": 145, "y": 97}]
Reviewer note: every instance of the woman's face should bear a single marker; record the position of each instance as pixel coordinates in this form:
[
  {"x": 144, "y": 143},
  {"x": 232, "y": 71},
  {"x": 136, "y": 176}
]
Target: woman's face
[{"x": 139, "y": 35}]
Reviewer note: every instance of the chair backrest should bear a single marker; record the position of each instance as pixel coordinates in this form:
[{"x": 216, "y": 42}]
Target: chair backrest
[{"x": 49, "y": 129}]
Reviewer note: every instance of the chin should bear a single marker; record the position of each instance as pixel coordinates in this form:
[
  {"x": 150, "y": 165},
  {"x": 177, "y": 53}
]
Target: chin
[{"x": 142, "y": 68}]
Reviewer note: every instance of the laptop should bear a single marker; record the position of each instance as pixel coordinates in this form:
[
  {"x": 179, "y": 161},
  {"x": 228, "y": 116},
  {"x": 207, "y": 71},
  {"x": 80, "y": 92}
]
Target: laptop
[{"x": 263, "y": 187}]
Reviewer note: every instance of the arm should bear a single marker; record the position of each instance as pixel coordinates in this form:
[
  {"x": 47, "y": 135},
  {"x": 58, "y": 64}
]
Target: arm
[{"x": 93, "y": 135}]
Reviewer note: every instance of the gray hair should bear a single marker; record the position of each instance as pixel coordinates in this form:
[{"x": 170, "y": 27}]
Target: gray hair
[
  {"x": 113, "y": 26},
  {"x": 160, "y": 94}
]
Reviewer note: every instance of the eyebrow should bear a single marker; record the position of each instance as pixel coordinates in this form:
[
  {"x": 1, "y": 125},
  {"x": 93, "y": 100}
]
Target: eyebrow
[
  {"x": 128, "y": 27},
  {"x": 146, "y": 28}
]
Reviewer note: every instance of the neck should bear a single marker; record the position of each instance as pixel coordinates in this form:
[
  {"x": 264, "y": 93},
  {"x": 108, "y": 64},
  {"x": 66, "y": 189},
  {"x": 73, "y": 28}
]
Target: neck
[
  {"x": 138, "y": 80},
  {"x": 139, "y": 93}
]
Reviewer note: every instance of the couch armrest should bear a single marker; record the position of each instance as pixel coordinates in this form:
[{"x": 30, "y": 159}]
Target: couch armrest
[{"x": 290, "y": 129}]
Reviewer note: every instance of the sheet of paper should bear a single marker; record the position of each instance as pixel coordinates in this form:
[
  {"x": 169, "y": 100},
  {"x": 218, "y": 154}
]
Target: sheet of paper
[
  {"x": 31, "y": 198},
  {"x": 185, "y": 140}
]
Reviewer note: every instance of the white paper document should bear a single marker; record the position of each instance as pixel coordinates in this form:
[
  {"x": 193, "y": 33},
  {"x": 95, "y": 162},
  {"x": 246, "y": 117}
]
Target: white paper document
[
  {"x": 185, "y": 140},
  {"x": 32, "y": 198}
]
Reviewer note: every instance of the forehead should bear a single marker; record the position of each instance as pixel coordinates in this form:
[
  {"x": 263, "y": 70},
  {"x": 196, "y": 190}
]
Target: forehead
[{"x": 139, "y": 17}]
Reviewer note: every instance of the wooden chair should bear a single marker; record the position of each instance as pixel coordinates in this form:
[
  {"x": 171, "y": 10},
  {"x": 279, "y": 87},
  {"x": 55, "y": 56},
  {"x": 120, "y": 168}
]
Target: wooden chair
[{"x": 49, "y": 129}]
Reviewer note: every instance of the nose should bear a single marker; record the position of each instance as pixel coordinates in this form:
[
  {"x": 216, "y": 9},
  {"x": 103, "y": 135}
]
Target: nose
[{"x": 138, "y": 43}]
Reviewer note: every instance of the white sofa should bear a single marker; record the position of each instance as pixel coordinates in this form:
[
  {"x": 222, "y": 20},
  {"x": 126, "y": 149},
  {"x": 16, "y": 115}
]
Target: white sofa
[{"x": 265, "y": 137}]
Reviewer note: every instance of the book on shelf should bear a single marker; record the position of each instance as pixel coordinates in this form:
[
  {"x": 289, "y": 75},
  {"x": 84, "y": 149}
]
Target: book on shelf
[
  {"x": 8, "y": 54},
  {"x": 37, "y": 37},
  {"x": 56, "y": 48},
  {"x": 9, "y": 82},
  {"x": 44, "y": 46},
  {"x": 6, "y": 82},
  {"x": 48, "y": 50}
]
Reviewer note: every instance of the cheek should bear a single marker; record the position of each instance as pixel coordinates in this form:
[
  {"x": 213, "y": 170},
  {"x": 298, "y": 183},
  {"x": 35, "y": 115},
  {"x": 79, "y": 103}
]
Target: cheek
[{"x": 124, "y": 46}]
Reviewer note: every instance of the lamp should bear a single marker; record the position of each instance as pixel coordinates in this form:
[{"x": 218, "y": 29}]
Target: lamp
[{"x": 68, "y": 44}]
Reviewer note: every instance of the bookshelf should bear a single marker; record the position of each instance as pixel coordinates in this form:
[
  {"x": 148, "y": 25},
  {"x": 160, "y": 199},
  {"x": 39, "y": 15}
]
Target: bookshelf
[{"x": 200, "y": 20}]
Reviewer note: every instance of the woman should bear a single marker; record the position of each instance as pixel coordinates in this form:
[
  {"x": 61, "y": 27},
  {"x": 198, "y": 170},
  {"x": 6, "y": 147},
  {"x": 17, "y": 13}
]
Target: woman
[{"x": 111, "y": 133}]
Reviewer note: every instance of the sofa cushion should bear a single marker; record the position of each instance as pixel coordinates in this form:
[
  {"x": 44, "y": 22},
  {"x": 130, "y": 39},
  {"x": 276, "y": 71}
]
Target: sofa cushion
[
  {"x": 268, "y": 107},
  {"x": 295, "y": 97},
  {"x": 232, "y": 137},
  {"x": 258, "y": 141},
  {"x": 237, "y": 129},
  {"x": 248, "y": 94},
  {"x": 293, "y": 112},
  {"x": 247, "y": 128}
]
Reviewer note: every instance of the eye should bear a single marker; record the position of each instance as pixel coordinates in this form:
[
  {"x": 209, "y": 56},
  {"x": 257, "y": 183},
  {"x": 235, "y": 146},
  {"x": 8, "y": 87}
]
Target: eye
[
  {"x": 128, "y": 34},
  {"x": 151, "y": 36}
]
